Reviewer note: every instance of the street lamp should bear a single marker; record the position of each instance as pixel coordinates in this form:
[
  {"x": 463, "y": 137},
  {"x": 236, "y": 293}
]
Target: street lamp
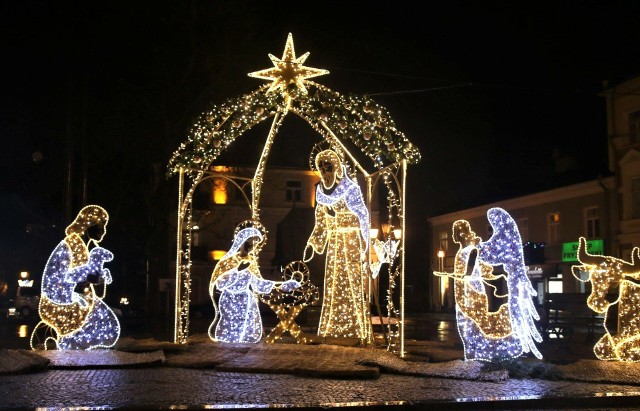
[{"x": 441, "y": 260}]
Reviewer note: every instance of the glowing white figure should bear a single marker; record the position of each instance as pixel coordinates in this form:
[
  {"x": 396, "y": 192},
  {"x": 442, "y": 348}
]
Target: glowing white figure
[
  {"x": 486, "y": 335},
  {"x": 505, "y": 248},
  {"x": 385, "y": 252},
  {"x": 342, "y": 227},
  {"x": 237, "y": 277},
  {"x": 79, "y": 321}
]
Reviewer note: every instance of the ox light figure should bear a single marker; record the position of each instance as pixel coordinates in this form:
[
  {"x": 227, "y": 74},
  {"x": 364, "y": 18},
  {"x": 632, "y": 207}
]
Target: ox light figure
[{"x": 606, "y": 273}]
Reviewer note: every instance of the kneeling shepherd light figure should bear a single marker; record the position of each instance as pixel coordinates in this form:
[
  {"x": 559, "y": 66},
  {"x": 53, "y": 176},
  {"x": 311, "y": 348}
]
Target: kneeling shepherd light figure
[{"x": 70, "y": 319}]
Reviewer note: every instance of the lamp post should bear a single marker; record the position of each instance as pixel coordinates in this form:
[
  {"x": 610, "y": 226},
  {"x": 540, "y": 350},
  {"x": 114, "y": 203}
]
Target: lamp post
[{"x": 440, "y": 260}]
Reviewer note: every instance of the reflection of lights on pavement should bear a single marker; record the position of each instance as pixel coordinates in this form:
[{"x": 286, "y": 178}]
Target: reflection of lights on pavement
[{"x": 23, "y": 331}]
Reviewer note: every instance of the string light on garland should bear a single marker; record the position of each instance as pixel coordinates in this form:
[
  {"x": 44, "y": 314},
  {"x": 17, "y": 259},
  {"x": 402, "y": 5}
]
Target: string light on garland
[
  {"x": 605, "y": 273},
  {"x": 510, "y": 331},
  {"x": 71, "y": 320},
  {"x": 355, "y": 118}
]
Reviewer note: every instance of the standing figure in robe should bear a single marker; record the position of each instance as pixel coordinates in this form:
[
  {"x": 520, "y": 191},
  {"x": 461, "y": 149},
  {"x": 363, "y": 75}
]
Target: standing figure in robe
[
  {"x": 342, "y": 232},
  {"x": 237, "y": 277}
]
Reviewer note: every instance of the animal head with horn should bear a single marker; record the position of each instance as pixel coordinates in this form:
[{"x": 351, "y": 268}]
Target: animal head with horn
[{"x": 605, "y": 272}]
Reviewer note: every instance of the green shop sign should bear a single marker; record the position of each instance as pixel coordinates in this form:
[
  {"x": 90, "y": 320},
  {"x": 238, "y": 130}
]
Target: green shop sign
[{"x": 570, "y": 250}]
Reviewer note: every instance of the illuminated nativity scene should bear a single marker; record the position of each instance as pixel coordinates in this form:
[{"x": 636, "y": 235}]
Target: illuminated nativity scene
[
  {"x": 360, "y": 155},
  {"x": 359, "y": 158}
]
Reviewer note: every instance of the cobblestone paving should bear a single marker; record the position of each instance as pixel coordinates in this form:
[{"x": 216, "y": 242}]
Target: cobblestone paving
[{"x": 166, "y": 387}]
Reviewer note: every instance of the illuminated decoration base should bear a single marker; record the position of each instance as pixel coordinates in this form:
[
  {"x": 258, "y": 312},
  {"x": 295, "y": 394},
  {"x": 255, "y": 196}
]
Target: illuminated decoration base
[
  {"x": 72, "y": 320},
  {"x": 337, "y": 118},
  {"x": 607, "y": 272},
  {"x": 510, "y": 331},
  {"x": 237, "y": 278},
  {"x": 342, "y": 231},
  {"x": 288, "y": 306}
]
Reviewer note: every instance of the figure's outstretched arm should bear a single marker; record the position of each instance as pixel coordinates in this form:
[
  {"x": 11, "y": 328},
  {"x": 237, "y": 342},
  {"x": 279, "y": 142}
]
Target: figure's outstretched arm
[{"x": 318, "y": 239}]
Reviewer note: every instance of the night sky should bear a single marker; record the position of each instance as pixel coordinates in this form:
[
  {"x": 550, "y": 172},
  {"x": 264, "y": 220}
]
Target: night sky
[{"x": 490, "y": 92}]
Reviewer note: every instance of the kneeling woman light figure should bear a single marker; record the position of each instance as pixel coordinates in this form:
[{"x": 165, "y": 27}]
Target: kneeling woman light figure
[{"x": 237, "y": 277}]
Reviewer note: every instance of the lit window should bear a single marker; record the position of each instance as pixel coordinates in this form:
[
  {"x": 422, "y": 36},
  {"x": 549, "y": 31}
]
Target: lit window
[
  {"x": 555, "y": 286},
  {"x": 635, "y": 196},
  {"x": 294, "y": 190},
  {"x": 592, "y": 222},
  {"x": 444, "y": 240},
  {"x": 219, "y": 191}
]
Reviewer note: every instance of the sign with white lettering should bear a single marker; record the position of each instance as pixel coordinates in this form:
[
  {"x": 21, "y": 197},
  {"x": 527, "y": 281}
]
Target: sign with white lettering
[{"x": 570, "y": 250}]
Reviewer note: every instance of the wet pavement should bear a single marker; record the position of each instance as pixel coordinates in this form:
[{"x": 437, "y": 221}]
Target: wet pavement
[{"x": 171, "y": 387}]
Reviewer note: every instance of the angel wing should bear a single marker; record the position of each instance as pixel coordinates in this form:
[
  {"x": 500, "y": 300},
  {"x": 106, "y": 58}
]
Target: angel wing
[{"x": 505, "y": 248}]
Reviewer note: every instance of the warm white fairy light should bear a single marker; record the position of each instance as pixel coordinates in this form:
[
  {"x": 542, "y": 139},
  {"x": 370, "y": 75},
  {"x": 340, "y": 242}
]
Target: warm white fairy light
[
  {"x": 342, "y": 230},
  {"x": 237, "y": 278},
  {"x": 78, "y": 321},
  {"x": 288, "y": 72},
  {"x": 510, "y": 331},
  {"x": 605, "y": 273},
  {"x": 288, "y": 304},
  {"x": 335, "y": 116}
]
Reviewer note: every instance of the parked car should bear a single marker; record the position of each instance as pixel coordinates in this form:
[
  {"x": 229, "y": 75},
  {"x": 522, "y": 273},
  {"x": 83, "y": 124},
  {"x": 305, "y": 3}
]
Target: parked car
[{"x": 26, "y": 301}]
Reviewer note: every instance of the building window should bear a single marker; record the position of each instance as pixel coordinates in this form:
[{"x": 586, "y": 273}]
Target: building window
[
  {"x": 523, "y": 227},
  {"x": 635, "y": 196},
  {"x": 553, "y": 227},
  {"x": 592, "y": 222},
  {"x": 555, "y": 285},
  {"x": 634, "y": 127},
  {"x": 294, "y": 190},
  {"x": 444, "y": 240},
  {"x": 220, "y": 193}
]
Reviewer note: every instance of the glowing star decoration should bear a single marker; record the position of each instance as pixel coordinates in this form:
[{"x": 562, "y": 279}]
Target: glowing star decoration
[
  {"x": 606, "y": 273},
  {"x": 508, "y": 332},
  {"x": 237, "y": 278},
  {"x": 289, "y": 73},
  {"x": 342, "y": 228},
  {"x": 69, "y": 319}
]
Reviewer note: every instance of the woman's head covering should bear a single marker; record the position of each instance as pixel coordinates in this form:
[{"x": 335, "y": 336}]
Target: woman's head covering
[
  {"x": 242, "y": 236},
  {"x": 89, "y": 216}
]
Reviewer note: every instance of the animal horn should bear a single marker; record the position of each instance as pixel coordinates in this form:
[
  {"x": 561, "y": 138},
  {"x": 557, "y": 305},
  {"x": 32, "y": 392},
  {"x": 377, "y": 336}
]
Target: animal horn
[
  {"x": 634, "y": 267},
  {"x": 584, "y": 257}
]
